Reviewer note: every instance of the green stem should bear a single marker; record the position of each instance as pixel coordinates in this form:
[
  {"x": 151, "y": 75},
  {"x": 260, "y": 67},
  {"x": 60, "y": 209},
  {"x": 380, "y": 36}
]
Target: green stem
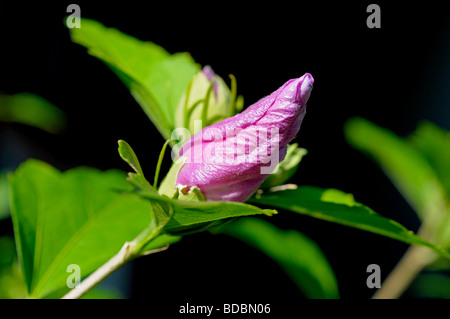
[
  {"x": 412, "y": 263},
  {"x": 158, "y": 165},
  {"x": 129, "y": 251}
]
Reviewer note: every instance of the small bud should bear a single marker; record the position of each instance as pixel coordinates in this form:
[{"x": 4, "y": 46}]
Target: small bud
[{"x": 193, "y": 101}]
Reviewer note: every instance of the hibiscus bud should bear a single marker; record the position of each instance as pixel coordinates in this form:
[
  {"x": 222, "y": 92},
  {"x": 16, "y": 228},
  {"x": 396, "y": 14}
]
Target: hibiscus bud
[
  {"x": 229, "y": 160},
  {"x": 193, "y": 101}
]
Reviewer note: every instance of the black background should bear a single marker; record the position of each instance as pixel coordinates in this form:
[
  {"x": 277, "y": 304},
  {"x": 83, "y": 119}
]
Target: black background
[{"x": 393, "y": 76}]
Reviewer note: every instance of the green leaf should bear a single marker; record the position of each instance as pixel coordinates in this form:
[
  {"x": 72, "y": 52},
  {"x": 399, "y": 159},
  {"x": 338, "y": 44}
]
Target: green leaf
[
  {"x": 102, "y": 293},
  {"x": 75, "y": 217},
  {"x": 155, "y": 78},
  {"x": 431, "y": 285},
  {"x": 7, "y": 252},
  {"x": 338, "y": 207},
  {"x": 434, "y": 144},
  {"x": 129, "y": 156},
  {"x": 406, "y": 167},
  {"x": 190, "y": 216},
  {"x": 4, "y": 195},
  {"x": 33, "y": 110},
  {"x": 137, "y": 179},
  {"x": 148, "y": 104},
  {"x": 297, "y": 255},
  {"x": 287, "y": 168},
  {"x": 168, "y": 81},
  {"x": 12, "y": 285}
]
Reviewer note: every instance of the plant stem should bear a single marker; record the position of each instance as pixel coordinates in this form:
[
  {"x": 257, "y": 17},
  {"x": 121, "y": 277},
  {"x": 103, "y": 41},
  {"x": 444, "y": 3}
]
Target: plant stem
[
  {"x": 411, "y": 264},
  {"x": 129, "y": 251},
  {"x": 101, "y": 273},
  {"x": 158, "y": 166}
]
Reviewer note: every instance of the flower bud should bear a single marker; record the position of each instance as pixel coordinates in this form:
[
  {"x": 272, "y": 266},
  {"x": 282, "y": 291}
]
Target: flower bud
[
  {"x": 229, "y": 160},
  {"x": 193, "y": 101}
]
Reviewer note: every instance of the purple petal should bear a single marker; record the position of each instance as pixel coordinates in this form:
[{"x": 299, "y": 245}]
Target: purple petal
[{"x": 226, "y": 159}]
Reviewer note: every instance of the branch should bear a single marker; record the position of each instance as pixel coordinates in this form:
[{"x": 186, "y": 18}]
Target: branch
[
  {"x": 412, "y": 263},
  {"x": 122, "y": 257},
  {"x": 129, "y": 251}
]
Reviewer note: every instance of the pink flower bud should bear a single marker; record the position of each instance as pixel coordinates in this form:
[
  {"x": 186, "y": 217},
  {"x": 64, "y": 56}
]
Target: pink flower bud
[{"x": 229, "y": 160}]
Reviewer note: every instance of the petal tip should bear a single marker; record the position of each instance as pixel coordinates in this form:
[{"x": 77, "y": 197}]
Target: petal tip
[{"x": 304, "y": 88}]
